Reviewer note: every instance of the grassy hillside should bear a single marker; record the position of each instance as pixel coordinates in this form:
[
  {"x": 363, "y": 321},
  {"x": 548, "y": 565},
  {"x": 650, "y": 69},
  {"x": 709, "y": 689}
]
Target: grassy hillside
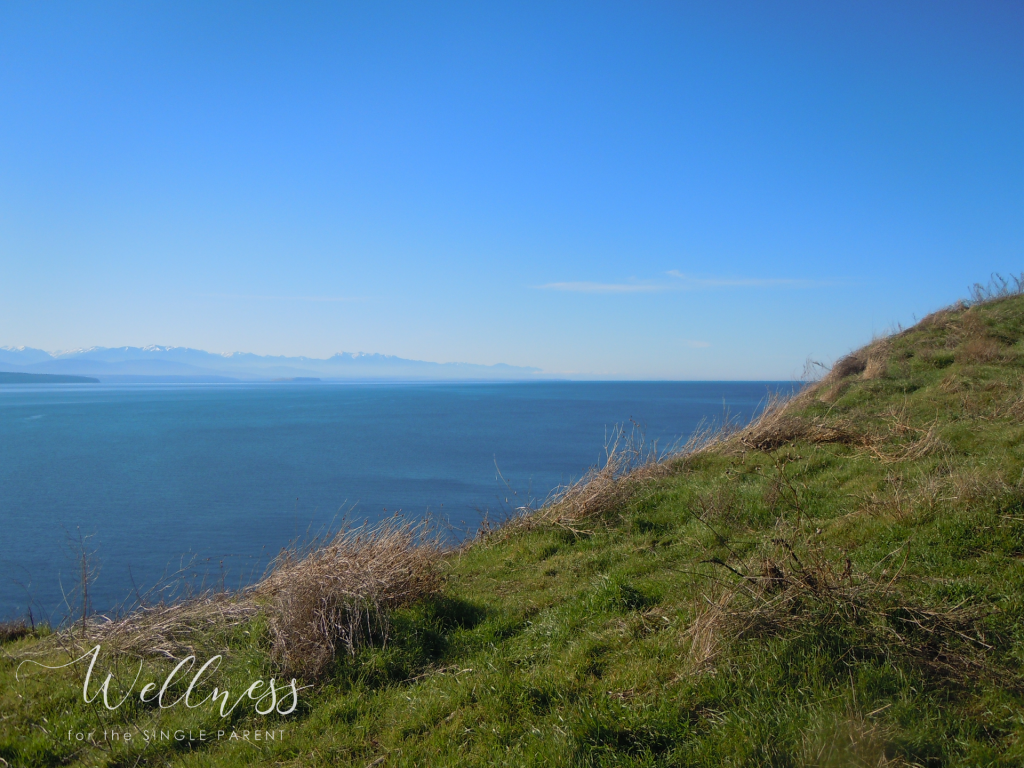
[{"x": 842, "y": 583}]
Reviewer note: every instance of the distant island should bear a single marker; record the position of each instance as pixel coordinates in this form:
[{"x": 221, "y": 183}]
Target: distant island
[
  {"x": 13, "y": 377},
  {"x": 180, "y": 364}
]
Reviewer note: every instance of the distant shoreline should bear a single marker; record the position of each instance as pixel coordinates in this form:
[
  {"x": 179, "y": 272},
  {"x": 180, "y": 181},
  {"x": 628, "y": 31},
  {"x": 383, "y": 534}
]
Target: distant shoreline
[{"x": 11, "y": 377}]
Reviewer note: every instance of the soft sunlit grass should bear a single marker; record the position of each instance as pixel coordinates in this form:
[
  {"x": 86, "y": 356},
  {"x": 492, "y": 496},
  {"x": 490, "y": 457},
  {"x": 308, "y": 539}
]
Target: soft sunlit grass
[{"x": 841, "y": 583}]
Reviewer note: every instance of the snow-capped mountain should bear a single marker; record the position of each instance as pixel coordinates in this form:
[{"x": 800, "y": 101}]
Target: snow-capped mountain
[{"x": 112, "y": 363}]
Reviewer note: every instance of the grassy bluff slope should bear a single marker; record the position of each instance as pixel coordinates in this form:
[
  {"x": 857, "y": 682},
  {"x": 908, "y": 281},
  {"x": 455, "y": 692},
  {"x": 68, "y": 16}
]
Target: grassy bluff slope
[{"x": 839, "y": 583}]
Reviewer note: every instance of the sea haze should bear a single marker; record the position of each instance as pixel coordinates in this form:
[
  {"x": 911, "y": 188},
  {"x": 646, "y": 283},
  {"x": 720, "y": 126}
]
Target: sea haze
[
  {"x": 182, "y": 364},
  {"x": 224, "y": 475}
]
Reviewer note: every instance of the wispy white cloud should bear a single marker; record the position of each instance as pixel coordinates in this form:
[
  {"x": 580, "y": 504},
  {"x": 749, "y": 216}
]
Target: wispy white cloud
[
  {"x": 681, "y": 282},
  {"x": 741, "y": 282},
  {"x": 276, "y": 298},
  {"x": 606, "y": 287}
]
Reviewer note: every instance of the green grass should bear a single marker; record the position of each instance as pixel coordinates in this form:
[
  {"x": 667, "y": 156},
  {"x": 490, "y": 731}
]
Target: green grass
[{"x": 858, "y": 602}]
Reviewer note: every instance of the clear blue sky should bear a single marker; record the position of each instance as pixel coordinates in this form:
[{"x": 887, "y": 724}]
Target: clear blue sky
[{"x": 640, "y": 190}]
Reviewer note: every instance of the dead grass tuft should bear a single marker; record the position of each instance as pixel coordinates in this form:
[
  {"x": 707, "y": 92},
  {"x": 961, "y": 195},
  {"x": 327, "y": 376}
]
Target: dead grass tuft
[
  {"x": 719, "y": 503},
  {"x": 848, "y": 366},
  {"x": 927, "y": 443},
  {"x": 332, "y": 594},
  {"x": 704, "y": 636},
  {"x": 629, "y": 464},
  {"x": 938, "y": 321},
  {"x": 853, "y": 741},
  {"x": 1015, "y": 406},
  {"x": 787, "y": 592},
  {"x": 894, "y": 500},
  {"x": 954, "y": 383},
  {"x": 13, "y": 630},
  {"x": 173, "y": 630},
  {"x": 998, "y": 288},
  {"x": 979, "y": 350},
  {"x": 775, "y": 428},
  {"x": 790, "y": 429},
  {"x": 339, "y": 594},
  {"x": 876, "y": 368},
  {"x": 970, "y": 486}
]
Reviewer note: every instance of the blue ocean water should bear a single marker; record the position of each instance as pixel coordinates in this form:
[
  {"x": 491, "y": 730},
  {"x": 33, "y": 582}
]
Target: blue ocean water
[{"x": 223, "y": 476}]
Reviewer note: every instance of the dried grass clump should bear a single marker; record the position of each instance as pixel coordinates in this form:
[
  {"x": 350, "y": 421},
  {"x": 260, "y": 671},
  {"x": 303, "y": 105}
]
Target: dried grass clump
[
  {"x": 629, "y": 463},
  {"x": 599, "y": 492},
  {"x": 853, "y": 740},
  {"x": 775, "y": 428},
  {"x": 970, "y": 486},
  {"x": 704, "y": 636},
  {"x": 786, "y": 593},
  {"x": 927, "y": 443},
  {"x": 848, "y": 366},
  {"x": 339, "y": 594},
  {"x": 779, "y": 432},
  {"x": 876, "y": 368},
  {"x": 1015, "y": 406},
  {"x": 979, "y": 350},
  {"x": 939, "y": 320},
  {"x": 972, "y": 340},
  {"x": 173, "y": 630},
  {"x": 836, "y": 381},
  {"x": 954, "y": 384},
  {"x": 13, "y": 630},
  {"x": 895, "y": 501},
  {"x": 971, "y": 325},
  {"x": 718, "y": 504},
  {"x": 334, "y": 593},
  {"x": 871, "y": 362}
]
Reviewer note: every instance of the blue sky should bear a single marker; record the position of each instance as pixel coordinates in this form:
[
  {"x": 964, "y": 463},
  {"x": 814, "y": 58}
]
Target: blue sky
[{"x": 628, "y": 190}]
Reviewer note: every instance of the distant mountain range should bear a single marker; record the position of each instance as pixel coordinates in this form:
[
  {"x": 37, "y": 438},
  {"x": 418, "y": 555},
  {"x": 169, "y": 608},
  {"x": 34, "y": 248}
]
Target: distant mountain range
[{"x": 156, "y": 363}]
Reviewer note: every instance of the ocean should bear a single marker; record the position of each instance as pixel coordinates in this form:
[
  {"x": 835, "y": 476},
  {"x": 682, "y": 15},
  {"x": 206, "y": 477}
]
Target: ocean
[{"x": 213, "y": 480}]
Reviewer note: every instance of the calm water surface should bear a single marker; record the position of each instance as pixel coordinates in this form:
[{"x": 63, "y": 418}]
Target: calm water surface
[{"x": 223, "y": 476}]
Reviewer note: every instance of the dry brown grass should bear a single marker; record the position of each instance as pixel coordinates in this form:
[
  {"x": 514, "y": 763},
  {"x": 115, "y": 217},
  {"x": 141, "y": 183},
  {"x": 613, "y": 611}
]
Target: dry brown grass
[
  {"x": 968, "y": 486},
  {"x": 984, "y": 399},
  {"x": 1014, "y": 408},
  {"x": 599, "y": 492},
  {"x": 173, "y": 630},
  {"x": 775, "y": 427},
  {"x": 876, "y": 368},
  {"x": 926, "y": 443},
  {"x": 970, "y": 337},
  {"x": 786, "y": 592},
  {"x": 13, "y": 630},
  {"x": 894, "y": 501},
  {"x": 939, "y": 320},
  {"x": 979, "y": 350},
  {"x": 788, "y": 429},
  {"x": 719, "y": 503},
  {"x": 853, "y": 741},
  {"x": 339, "y": 594},
  {"x": 954, "y": 383},
  {"x": 629, "y": 464},
  {"x": 970, "y": 325},
  {"x": 870, "y": 362},
  {"x": 848, "y": 366},
  {"x": 335, "y": 593},
  {"x": 704, "y": 638}
]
